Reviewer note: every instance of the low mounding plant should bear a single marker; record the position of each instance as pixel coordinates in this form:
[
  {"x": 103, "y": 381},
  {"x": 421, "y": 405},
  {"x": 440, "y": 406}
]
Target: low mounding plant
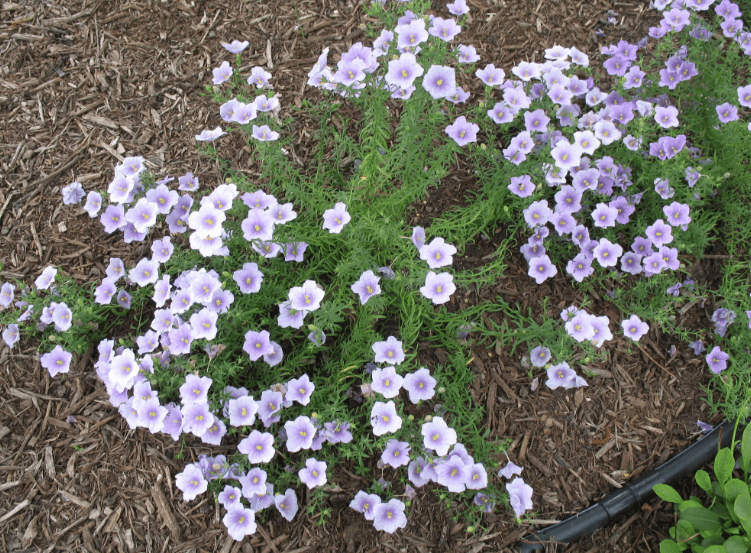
[
  {"x": 290, "y": 313},
  {"x": 724, "y": 526}
]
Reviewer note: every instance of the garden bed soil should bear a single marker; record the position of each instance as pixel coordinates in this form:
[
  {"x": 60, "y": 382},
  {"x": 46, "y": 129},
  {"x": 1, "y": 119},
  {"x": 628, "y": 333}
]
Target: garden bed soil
[{"x": 83, "y": 84}]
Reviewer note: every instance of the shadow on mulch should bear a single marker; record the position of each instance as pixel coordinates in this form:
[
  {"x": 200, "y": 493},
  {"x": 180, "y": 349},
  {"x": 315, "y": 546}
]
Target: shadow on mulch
[{"x": 83, "y": 84}]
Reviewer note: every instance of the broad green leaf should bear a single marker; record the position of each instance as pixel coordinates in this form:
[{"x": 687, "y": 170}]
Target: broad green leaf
[
  {"x": 702, "y": 479},
  {"x": 746, "y": 448},
  {"x": 669, "y": 546},
  {"x": 734, "y": 488},
  {"x": 715, "y": 549},
  {"x": 736, "y": 544},
  {"x": 684, "y": 530},
  {"x": 702, "y": 518},
  {"x": 667, "y": 493},
  {"x": 723, "y": 465},
  {"x": 742, "y": 508}
]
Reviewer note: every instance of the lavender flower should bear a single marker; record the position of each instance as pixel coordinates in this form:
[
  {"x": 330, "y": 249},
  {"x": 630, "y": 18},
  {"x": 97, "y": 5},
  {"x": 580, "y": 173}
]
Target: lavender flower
[
  {"x": 208, "y": 135},
  {"x": 288, "y": 317},
  {"x": 520, "y": 496},
  {"x": 11, "y": 335},
  {"x": 539, "y": 356},
  {"x": 440, "y": 81},
  {"x": 717, "y": 360},
  {"x": 306, "y": 297},
  {"x": 57, "y": 361},
  {"x": 300, "y": 433},
  {"x": 402, "y": 72},
  {"x": 191, "y": 482},
  {"x": 727, "y": 113},
  {"x": 453, "y": 474},
  {"x": 390, "y": 516},
  {"x": 541, "y": 268},
  {"x": 438, "y": 287},
  {"x": 522, "y": 186},
  {"x": 258, "y": 446},
  {"x": 248, "y": 278},
  {"x": 634, "y": 328},
  {"x": 510, "y": 470},
  {"x": 287, "y": 504},
  {"x": 561, "y": 376},
  {"x": 396, "y": 454},
  {"x": 257, "y": 344},
  {"x": 367, "y": 286},
  {"x": 365, "y": 503},
  {"x": 420, "y": 385},
  {"x": 239, "y": 521},
  {"x": 438, "y": 436},
  {"x": 462, "y": 131},
  {"x": 73, "y": 193},
  {"x": 659, "y": 233},
  {"x": 334, "y": 219},
  {"x": 438, "y": 253},
  {"x": 314, "y": 473},
  {"x": 384, "y": 418},
  {"x": 242, "y": 411},
  {"x": 300, "y": 390},
  {"x": 490, "y": 75},
  {"x": 387, "y": 382}
]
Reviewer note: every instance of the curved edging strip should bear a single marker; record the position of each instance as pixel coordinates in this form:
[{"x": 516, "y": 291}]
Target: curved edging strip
[{"x": 685, "y": 464}]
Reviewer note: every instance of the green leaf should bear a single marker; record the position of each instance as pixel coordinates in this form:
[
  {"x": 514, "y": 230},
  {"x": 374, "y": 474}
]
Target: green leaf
[
  {"x": 723, "y": 465},
  {"x": 736, "y": 544},
  {"x": 669, "y": 546},
  {"x": 667, "y": 493},
  {"x": 746, "y": 448},
  {"x": 702, "y": 518},
  {"x": 742, "y": 508},
  {"x": 702, "y": 479},
  {"x": 715, "y": 549}
]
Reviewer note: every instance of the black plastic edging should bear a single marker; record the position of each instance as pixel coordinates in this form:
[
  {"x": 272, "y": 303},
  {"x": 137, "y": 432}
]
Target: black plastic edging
[{"x": 632, "y": 495}]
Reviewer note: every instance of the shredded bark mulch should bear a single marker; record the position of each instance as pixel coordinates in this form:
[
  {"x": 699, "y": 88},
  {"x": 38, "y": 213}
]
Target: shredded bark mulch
[{"x": 84, "y": 84}]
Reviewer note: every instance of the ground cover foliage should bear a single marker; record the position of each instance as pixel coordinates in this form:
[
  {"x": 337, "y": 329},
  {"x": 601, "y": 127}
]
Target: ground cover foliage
[{"x": 493, "y": 328}]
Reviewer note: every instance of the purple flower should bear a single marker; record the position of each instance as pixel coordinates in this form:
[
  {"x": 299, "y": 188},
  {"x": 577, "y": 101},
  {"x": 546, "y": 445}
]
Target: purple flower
[
  {"x": 208, "y": 135},
  {"x": 438, "y": 253},
  {"x": 563, "y": 222},
  {"x": 367, "y": 286},
  {"x": 444, "y": 29},
  {"x": 607, "y": 132},
  {"x": 235, "y": 47},
  {"x": 439, "y": 81},
  {"x": 242, "y": 411},
  {"x": 477, "y": 477},
  {"x": 73, "y": 193},
  {"x": 402, "y": 72},
  {"x": 300, "y": 390},
  {"x": 334, "y": 219},
  {"x": 287, "y": 504},
  {"x": 197, "y": 418},
  {"x": 438, "y": 287},
  {"x": 396, "y": 454},
  {"x": 510, "y": 470},
  {"x": 191, "y": 482},
  {"x": 258, "y": 225},
  {"x": 62, "y": 317},
  {"x": 259, "y": 77},
  {"x": 268, "y": 250},
  {"x": 537, "y": 214},
  {"x": 384, "y": 418},
  {"x": 467, "y": 54},
  {"x": 659, "y": 233},
  {"x": 386, "y": 382},
  {"x": 666, "y": 117},
  {"x": 539, "y": 356},
  {"x": 566, "y": 155},
  {"x": 288, "y": 317},
  {"x": 257, "y": 344},
  {"x": 561, "y": 376},
  {"x": 522, "y": 186},
  {"x": 146, "y": 272},
  {"x": 634, "y": 328},
  {"x": 579, "y": 327},
  {"x": 306, "y": 297},
  {"x": 717, "y": 360},
  {"x": 230, "y": 496},
  {"x": 11, "y": 335},
  {"x": 264, "y": 133},
  {"x": 195, "y": 389},
  {"x": 258, "y": 446},
  {"x": 501, "y": 113},
  {"x": 580, "y": 267},
  {"x": 607, "y": 253},
  {"x": 239, "y": 521},
  {"x": 438, "y": 436},
  {"x": 453, "y": 474},
  {"x": 462, "y": 132},
  {"x": 248, "y": 278},
  {"x": 520, "y": 496},
  {"x": 727, "y": 113},
  {"x": 418, "y": 237},
  {"x": 604, "y": 215},
  {"x": 420, "y": 385},
  {"x": 390, "y": 351},
  {"x": 300, "y": 433},
  {"x": 47, "y": 277},
  {"x": 269, "y": 406},
  {"x": 57, "y": 361},
  {"x": 294, "y": 251},
  {"x": 222, "y": 73},
  {"x": 314, "y": 473},
  {"x": 390, "y": 516},
  {"x": 490, "y": 75},
  {"x": 541, "y": 268},
  {"x": 365, "y": 503}
]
